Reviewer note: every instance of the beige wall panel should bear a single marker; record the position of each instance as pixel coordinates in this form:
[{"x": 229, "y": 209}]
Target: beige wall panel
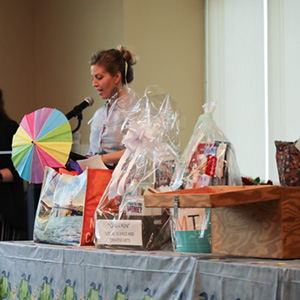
[
  {"x": 17, "y": 57},
  {"x": 168, "y": 37},
  {"x": 67, "y": 33},
  {"x": 46, "y": 46}
]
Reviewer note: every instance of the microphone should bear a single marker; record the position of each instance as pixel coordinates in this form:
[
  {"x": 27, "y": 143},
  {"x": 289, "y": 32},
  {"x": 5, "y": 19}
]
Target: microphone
[{"x": 88, "y": 101}]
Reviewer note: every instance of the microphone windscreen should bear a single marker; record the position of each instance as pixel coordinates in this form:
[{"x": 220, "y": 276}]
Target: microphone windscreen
[{"x": 89, "y": 100}]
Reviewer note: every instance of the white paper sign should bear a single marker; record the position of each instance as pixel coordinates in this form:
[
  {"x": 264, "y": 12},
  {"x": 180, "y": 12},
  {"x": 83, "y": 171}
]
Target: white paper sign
[
  {"x": 120, "y": 232},
  {"x": 93, "y": 162}
]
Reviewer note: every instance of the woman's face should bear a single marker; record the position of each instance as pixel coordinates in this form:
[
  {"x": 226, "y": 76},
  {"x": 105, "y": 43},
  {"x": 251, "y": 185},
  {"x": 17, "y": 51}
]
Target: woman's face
[{"x": 103, "y": 82}]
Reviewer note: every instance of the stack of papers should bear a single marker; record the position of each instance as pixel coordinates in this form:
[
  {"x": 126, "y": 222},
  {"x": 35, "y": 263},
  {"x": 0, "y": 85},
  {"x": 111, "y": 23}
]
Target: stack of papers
[{"x": 93, "y": 162}]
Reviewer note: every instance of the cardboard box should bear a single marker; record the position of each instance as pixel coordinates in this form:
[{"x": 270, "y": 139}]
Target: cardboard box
[{"x": 256, "y": 221}]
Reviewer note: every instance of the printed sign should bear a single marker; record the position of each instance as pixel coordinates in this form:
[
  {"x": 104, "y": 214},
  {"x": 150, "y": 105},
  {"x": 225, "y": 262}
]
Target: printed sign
[
  {"x": 135, "y": 206},
  {"x": 120, "y": 232}
]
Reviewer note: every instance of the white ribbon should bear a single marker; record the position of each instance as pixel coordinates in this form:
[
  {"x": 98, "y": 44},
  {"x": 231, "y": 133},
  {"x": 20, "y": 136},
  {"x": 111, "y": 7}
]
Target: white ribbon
[{"x": 136, "y": 138}]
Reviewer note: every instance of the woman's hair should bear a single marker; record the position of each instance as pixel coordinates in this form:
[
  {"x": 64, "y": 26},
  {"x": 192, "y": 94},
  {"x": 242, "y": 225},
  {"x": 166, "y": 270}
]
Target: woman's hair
[
  {"x": 2, "y": 110},
  {"x": 115, "y": 60}
]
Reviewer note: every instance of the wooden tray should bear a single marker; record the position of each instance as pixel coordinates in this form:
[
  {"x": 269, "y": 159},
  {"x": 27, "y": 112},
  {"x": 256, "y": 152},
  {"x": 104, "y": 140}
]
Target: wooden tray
[
  {"x": 257, "y": 221},
  {"x": 214, "y": 196}
]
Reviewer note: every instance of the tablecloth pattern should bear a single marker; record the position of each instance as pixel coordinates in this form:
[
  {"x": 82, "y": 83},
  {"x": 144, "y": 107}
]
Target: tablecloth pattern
[{"x": 39, "y": 271}]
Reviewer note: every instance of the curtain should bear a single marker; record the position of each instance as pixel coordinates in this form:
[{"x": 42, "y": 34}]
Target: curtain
[{"x": 251, "y": 71}]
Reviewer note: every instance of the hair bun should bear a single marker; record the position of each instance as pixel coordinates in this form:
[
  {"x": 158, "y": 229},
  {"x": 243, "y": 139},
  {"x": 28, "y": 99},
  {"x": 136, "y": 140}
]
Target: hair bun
[{"x": 128, "y": 56}]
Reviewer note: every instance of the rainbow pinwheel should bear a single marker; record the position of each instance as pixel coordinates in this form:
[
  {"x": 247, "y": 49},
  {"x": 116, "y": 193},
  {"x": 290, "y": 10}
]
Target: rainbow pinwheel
[{"x": 44, "y": 138}]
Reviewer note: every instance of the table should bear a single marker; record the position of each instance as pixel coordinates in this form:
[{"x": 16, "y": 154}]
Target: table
[{"x": 39, "y": 271}]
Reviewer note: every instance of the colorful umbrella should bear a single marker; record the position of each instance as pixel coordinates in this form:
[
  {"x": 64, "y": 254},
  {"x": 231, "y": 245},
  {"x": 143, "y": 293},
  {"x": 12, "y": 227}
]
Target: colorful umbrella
[{"x": 44, "y": 138}]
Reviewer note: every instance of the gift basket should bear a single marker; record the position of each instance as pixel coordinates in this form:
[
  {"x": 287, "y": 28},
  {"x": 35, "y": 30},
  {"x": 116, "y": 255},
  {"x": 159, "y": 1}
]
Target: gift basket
[
  {"x": 148, "y": 163},
  {"x": 208, "y": 160}
]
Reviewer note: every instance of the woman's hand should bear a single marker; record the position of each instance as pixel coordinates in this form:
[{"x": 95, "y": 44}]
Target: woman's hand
[
  {"x": 7, "y": 176},
  {"x": 112, "y": 158}
]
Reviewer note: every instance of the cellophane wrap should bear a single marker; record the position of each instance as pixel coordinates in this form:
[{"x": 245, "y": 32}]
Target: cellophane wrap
[
  {"x": 148, "y": 163},
  {"x": 208, "y": 160}
]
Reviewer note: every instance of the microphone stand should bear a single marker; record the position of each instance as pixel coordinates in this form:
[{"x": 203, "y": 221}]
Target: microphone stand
[
  {"x": 75, "y": 156},
  {"x": 79, "y": 118}
]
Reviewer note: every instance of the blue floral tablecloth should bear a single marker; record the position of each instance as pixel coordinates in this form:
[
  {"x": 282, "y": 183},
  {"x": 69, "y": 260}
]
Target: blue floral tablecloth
[{"x": 38, "y": 271}]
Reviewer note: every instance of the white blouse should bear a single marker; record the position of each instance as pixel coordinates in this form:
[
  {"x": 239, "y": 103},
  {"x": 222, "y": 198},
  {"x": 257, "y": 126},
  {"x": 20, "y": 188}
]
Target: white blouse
[{"x": 106, "y": 126}]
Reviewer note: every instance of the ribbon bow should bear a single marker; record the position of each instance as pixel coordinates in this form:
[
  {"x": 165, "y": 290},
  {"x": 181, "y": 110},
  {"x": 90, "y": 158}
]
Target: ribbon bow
[{"x": 137, "y": 137}]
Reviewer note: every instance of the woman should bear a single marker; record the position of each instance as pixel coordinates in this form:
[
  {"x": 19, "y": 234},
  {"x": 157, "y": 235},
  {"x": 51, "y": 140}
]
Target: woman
[
  {"x": 13, "y": 220},
  {"x": 111, "y": 71}
]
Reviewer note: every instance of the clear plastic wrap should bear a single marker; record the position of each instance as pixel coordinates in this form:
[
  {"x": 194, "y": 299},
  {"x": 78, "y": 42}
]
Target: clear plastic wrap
[
  {"x": 209, "y": 157},
  {"x": 151, "y": 155},
  {"x": 208, "y": 160}
]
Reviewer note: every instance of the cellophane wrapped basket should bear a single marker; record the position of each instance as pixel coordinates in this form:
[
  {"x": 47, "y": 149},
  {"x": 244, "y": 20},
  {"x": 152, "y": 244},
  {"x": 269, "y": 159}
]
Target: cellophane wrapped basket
[
  {"x": 208, "y": 160},
  {"x": 151, "y": 155}
]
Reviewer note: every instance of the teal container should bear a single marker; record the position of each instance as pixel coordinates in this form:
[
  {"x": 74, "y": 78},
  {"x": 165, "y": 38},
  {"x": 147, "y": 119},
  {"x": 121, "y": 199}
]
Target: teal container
[{"x": 196, "y": 241}]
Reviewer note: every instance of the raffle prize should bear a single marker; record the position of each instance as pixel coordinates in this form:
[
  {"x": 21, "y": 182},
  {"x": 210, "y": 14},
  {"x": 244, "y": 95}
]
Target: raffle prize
[
  {"x": 208, "y": 160},
  {"x": 152, "y": 143}
]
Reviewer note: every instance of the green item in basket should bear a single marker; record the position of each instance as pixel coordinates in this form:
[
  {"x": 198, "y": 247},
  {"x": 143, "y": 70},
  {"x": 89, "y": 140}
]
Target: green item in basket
[
  {"x": 190, "y": 241},
  {"x": 191, "y": 230}
]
